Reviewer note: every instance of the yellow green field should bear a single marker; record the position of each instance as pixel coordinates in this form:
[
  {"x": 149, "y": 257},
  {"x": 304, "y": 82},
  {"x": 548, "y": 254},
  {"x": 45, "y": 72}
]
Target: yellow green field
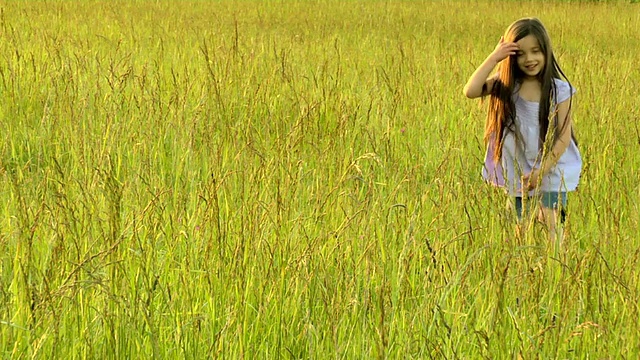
[{"x": 301, "y": 180}]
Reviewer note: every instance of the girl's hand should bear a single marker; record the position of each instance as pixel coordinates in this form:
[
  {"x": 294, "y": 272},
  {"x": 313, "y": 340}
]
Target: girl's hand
[
  {"x": 531, "y": 180},
  {"x": 504, "y": 50}
]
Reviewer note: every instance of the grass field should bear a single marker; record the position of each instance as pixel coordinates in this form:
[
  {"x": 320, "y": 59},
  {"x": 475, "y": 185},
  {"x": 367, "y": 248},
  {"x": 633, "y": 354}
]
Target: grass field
[{"x": 301, "y": 179}]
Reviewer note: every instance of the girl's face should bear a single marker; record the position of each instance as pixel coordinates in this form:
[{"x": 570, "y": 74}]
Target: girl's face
[{"x": 530, "y": 58}]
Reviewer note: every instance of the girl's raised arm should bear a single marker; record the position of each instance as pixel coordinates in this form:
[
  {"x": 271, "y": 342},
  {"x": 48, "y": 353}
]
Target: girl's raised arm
[{"x": 480, "y": 84}]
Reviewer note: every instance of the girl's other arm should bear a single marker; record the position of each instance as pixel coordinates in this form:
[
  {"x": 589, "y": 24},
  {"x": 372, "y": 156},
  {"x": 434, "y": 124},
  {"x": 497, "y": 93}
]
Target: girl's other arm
[
  {"x": 564, "y": 138},
  {"x": 480, "y": 84},
  {"x": 560, "y": 146}
]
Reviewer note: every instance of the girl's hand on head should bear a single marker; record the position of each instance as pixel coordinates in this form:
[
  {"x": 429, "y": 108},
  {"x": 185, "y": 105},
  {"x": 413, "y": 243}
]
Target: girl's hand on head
[{"x": 504, "y": 50}]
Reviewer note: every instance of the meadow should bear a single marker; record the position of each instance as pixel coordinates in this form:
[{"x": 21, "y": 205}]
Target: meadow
[{"x": 301, "y": 179}]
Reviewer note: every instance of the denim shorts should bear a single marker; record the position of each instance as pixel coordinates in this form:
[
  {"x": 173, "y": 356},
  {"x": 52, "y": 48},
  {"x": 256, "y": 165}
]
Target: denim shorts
[{"x": 550, "y": 200}]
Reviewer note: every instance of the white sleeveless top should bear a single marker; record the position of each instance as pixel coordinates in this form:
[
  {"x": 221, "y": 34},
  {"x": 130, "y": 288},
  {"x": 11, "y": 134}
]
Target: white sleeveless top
[{"x": 521, "y": 153}]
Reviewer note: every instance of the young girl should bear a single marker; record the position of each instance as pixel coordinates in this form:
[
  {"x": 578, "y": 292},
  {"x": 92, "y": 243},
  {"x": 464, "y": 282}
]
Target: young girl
[{"x": 531, "y": 150}]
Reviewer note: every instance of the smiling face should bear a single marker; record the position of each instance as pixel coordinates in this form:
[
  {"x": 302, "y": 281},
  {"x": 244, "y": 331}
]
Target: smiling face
[{"x": 530, "y": 58}]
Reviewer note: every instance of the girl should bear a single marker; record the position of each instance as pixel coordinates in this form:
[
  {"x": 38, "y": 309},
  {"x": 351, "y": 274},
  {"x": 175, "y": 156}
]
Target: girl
[{"x": 531, "y": 149}]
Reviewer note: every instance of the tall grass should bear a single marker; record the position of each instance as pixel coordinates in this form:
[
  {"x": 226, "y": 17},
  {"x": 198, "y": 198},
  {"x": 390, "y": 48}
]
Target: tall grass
[{"x": 300, "y": 179}]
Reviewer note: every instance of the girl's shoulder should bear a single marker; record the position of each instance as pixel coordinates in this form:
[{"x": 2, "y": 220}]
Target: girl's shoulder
[{"x": 563, "y": 90}]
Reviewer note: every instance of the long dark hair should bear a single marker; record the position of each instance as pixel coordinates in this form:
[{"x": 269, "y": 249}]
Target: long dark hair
[{"x": 501, "y": 114}]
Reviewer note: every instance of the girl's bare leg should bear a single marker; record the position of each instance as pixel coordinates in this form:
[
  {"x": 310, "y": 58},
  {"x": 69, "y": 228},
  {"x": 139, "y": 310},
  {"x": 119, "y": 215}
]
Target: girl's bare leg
[
  {"x": 510, "y": 207},
  {"x": 550, "y": 218}
]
